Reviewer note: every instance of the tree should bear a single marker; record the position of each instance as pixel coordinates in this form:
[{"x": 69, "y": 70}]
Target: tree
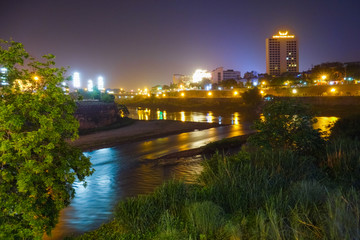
[
  {"x": 287, "y": 124},
  {"x": 252, "y": 97},
  {"x": 37, "y": 163},
  {"x": 228, "y": 83}
]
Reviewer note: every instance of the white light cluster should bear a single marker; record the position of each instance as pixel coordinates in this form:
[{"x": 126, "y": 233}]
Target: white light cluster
[
  {"x": 90, "y": 85},
  {"x": 100, "y": 83},
  {"x": 200, "y": 74},
  {"x": 76, "y": 80}
]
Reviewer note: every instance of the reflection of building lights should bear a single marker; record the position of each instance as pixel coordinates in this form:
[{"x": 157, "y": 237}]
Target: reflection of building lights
[
  {"x": 333, "y": 90},
  {"x": 294, "y": 91},
  {"x": 236, "y": 93},
  {"x": 262, "y": 92},
  {"x": 209, "y": 117},
  {"x": 235, "y": 119},
  {"x": 164, "y": 95},
  {"x": 209, "y": 93},
  {"x": 182, "y": 94},
  {"x": 182, "y": 116}
]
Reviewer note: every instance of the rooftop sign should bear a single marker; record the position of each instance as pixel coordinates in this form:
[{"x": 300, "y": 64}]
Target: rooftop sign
[{"x": 283, "y": 35}]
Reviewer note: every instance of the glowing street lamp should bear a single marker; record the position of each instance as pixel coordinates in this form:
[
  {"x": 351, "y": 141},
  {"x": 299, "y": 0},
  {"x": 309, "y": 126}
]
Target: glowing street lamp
[{"x": 323, "y": 77}]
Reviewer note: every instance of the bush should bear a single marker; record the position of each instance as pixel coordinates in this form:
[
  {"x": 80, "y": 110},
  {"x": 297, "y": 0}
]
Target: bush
[{"x": 287, "y": 125}]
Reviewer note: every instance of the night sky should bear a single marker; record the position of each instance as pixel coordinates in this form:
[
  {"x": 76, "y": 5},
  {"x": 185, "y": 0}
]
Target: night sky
[{"x": 137, "y": 43}]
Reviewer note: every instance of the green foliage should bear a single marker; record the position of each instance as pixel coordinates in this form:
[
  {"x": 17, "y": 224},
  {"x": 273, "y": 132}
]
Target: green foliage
[
  {"x": 342, "y": 162},
  {"x": 105, "y": 97},
  {"x": 287, "y": 125},
  {"x": 252, "y": 97},
  {"x": 228, "y": 83},
  {"x": 37, "y": 163},
  {"x": 205, "y": 219}
]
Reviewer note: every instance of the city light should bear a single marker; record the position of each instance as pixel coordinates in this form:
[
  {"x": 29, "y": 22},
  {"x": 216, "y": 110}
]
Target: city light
[
  {"x": 323, "y": 77},
  {"x": 76, "y": 80},
  {"x": 182, "y": 94},
  {"x": 283, "y": 35},
  {"x": 100, "y": 83},
  {"x": 333, "y": 90},
  {"x": 200, "y": 74},
  {"x": 90, "y": 85},
  {"x": 36, "y": 78},
  {"x": 209, "y": 93},
  {"x": 294, "y": 91},
  {"x": 3, "y": 72},
  {"x": 236, "y": 93}
]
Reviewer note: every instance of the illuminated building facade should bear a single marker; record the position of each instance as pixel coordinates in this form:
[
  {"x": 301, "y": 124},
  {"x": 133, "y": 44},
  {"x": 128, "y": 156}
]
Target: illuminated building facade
[
  {"x": 219, "y": 74},
  {"x": 282, "y": 54}
]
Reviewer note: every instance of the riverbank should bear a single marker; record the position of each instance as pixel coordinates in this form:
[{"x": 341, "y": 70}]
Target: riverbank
[{"x": 138, "y": 131}]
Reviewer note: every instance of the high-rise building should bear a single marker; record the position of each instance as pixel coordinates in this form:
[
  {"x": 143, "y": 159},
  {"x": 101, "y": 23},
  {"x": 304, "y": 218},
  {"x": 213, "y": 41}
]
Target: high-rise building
[
  {"x": 282, "y": 54},
  {"x": 219, "y": 74}
]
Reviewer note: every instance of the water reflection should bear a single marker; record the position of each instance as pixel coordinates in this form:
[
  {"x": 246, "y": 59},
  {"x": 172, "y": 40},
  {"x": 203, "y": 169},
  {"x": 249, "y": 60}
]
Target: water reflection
[
  {"x": 235, "y": 118},
  {"x": 325, "y": 124},
  {"x": 187, "y": 116}
]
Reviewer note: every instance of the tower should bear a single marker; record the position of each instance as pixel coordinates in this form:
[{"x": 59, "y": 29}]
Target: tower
[{"x": 282, "y": 54}]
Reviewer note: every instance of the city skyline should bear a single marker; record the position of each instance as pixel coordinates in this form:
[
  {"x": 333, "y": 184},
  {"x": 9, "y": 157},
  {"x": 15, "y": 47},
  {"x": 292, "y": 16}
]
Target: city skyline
[{"x": 141, "y": 43}]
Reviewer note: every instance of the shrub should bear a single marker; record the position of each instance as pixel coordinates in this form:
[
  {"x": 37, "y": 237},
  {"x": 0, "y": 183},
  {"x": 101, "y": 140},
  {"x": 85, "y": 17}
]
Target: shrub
[{"x": 287, "y": 125}]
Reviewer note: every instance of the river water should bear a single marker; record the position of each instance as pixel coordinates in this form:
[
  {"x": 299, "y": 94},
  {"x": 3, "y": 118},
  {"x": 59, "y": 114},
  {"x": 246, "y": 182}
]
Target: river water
[{"x": 129, "y": 169}]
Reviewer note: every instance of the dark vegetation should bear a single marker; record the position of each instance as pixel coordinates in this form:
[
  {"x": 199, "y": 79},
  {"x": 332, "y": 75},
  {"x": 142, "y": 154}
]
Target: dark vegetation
[{"x": 285, "y": 183}]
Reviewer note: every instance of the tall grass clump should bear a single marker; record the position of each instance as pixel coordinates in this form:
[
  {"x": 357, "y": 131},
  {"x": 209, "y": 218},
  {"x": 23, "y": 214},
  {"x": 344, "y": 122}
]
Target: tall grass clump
[
  {"x": 234, "y": 183},
  {"x": 205, "y": 220},
  {"x": 342, "y": 162}
]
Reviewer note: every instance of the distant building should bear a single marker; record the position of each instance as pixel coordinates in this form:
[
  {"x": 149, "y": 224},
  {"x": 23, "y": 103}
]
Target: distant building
[
  {"x": 282, "y": 54},
  {"x": 180, "y": 78},
  {"x": 219, "y": 74}
]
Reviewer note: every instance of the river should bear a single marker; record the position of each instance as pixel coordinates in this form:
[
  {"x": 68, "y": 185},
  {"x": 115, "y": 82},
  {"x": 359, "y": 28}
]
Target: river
[{"x": 129, "y": 169}]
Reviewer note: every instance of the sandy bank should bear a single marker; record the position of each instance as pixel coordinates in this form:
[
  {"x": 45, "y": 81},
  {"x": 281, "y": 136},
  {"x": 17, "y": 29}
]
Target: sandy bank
[{"x": 140, "y": 130}]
